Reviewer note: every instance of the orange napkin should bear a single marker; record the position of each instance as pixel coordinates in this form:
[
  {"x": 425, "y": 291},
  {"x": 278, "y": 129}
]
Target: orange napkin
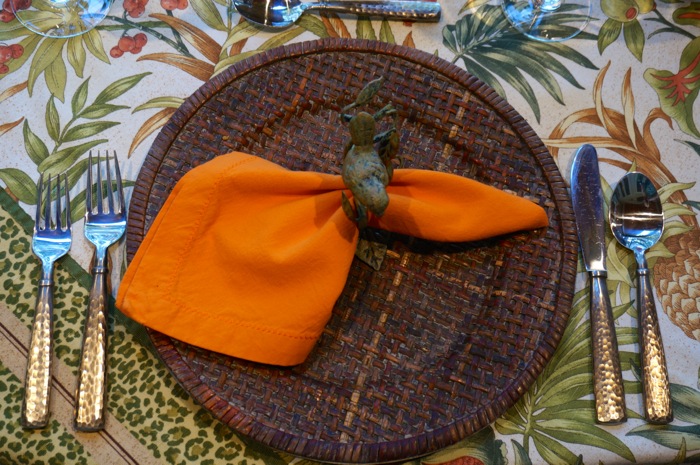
[{"x": 248, "y": 258}]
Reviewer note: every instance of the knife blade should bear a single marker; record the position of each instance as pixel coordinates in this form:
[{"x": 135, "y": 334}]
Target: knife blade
[{"x": 587, "y": 198}]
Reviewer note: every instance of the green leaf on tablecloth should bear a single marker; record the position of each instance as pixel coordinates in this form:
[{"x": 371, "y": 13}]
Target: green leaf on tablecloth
[
  {"x": 118, "y": 88},
  {"x": 20, "y": 184},
  {"x": 160, "y": 102},
  {"x": 512, "y": 75},
  {"x": 281, "y": 38},
  {"x": 667, "y": 190},
  {"x": 45, "y": 54},
  {"x": 686, "y": 403},
  {"x": 35, "y": 147},
  {"x": 76, "y": 55},
  {"x": 100, "y": 111},
  {"x": 670, "y": 436},
  {"x": 53, "y": 121},
  {"x": 678, "y": 91},
  {"x": 521, "y": 457},
  {"x": 364, "y": 29},
  {"x": 207, "y": 11},
  {"x": 609, "y": 32},
  {"x": 568, "y": 389},
  {"x": 385, "y": 33},
  {"x": 634, "y": 38},
  {"x": 226, "y": 62},
  {"x": 693, "y": 145},
  {"x": 246, "y": 29},
  {"x": 539, "y": 70},
  {"x": 673, "y": 209},
  {"x": 75, "y": 174},
  {"x": 493, "y": 50},
  {"x": 63, "y": 159},
  {"x": 85, "y": 130},
  {"x": 56, "y": 77},
  {"x": 80, "y": 97},
  {"x": 13, "y": 30},
  {"x": 586, "y": 433},
  {"x": 552, "y": 451},
  {"x": 93, "y": 42},
  {"x": 314, "y": 25}
]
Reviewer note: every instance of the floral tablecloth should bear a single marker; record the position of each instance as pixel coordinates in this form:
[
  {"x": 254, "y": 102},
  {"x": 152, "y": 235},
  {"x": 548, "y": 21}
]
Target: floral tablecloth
[{"x": 627, "y": 85}]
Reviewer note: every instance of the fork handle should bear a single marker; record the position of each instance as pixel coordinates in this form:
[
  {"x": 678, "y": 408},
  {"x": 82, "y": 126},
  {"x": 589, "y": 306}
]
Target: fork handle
[
  {"x": 90, "y": 397},
  {"x": 37, "y": 384}
]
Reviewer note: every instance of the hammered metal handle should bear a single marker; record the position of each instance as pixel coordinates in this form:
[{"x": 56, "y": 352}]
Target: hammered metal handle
[
  {"x": 408, "y": 10},
  {"x": 90, "y": 398},
  {"x": 607, "y": 375},
  {"x": 37, "y": 391},
  {"x": 656, "y": 392}
]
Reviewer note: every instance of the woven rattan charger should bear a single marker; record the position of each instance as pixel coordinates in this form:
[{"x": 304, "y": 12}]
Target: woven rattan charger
[{"x": 445, "y": 337}]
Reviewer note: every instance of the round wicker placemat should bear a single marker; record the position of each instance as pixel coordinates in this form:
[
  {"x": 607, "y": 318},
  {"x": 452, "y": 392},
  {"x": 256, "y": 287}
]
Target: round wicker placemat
[{"x": 445, "y": 337}]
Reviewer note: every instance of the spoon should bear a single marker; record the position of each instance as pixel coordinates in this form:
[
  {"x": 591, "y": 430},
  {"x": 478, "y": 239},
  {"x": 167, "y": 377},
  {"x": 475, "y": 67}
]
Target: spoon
[
  {"x": 637, "y": 221},
  {"x": 283, "y": 13}
]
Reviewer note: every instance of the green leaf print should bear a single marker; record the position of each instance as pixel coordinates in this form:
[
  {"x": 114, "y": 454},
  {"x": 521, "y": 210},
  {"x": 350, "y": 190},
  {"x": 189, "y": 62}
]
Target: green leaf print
[
  {"x": 19, "y": 184},
  {"x": 494, "y": 51}
]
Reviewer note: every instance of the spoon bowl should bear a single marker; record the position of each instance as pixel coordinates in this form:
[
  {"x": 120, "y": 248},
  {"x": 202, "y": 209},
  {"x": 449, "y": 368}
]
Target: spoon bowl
[
  {"x": 637, "y": 222},
  {"x": 279, "y": 14}
]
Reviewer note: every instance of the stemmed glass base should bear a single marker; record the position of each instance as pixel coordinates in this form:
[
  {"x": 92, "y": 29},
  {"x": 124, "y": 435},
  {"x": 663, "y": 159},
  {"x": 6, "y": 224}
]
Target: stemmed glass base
[
  {"x": 548, "y": 20},
  {"x": 61, "y": 18}
]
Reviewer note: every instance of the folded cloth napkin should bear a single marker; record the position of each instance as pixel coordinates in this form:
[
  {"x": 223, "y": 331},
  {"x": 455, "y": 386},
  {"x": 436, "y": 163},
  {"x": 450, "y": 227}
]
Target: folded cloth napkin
[{"x": 247, "y": 258}]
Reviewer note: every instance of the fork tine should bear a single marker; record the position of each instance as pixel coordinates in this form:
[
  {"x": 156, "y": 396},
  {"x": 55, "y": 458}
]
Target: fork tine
[
  {"x": 65, "y": 186},
  {"x": 118, "y": 176},
  {"x": 47, "y": 207},
  {"x": 58, "y": 202},
  {"x": 88, "y": 192},
  {"x": 39, "y": 189},
  {"x": 99, "y": 185},
  {"x": 110, "y": 194}
]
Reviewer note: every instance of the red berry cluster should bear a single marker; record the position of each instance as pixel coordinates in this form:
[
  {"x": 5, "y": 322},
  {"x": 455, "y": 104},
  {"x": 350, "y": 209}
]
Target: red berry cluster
[
  {"x": 7, "y": 53},
  {"x": 174, "y": 4},
  {"x": 129, "y": 44},
  {"x": 7, "y": 13},
  {"x": 135, "y": 8}
]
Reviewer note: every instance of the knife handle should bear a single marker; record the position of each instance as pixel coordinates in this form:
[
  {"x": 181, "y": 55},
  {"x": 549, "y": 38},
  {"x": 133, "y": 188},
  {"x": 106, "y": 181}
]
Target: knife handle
[
  {"x": 656, "y": 392},
  {"x": 607, "y": 375}
]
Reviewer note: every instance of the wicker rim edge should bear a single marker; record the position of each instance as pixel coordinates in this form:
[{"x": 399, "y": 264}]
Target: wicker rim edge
[{"x": 360, "y": 452}]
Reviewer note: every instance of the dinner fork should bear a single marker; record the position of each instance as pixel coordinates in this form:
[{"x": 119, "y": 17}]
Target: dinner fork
[
  {"x": 103, "y": 227},
  {"x": 51, "y": 240}
]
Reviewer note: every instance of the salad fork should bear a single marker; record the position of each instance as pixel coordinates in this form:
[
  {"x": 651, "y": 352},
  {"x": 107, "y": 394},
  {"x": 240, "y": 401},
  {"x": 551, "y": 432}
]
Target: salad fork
[
  {"x": 51, "y": 240},
  {"x": 103, "y": 227}
]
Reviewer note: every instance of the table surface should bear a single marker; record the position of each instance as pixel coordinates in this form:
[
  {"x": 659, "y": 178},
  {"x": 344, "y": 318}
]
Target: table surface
[{"x": 629, "y": 88}]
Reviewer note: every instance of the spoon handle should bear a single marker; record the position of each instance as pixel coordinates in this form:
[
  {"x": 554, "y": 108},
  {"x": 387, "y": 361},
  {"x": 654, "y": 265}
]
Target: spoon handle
[
  {"x": 656, "y": 392},
  {"x": 403, "y": 10}
]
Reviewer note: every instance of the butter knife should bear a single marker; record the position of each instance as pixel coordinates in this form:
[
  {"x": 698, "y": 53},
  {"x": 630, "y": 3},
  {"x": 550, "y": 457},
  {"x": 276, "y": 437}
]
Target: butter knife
[{"x": 587, "y": 198}]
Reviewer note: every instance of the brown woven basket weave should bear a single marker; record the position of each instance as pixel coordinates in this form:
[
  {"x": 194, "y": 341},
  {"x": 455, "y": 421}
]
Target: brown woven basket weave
[{"x": 445, "y": 337}]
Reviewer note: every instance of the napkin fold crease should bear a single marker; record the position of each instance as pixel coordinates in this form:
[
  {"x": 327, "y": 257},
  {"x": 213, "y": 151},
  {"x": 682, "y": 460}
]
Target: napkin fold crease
[{"x": 247, "y": 258}]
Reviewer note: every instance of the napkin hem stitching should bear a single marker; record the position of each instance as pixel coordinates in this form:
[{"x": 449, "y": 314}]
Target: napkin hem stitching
[{"x": 226, "y": 319}]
